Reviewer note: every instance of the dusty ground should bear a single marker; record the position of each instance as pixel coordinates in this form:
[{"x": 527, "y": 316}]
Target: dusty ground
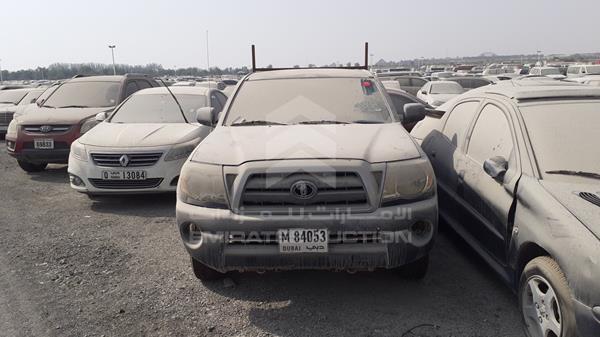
[{"x": 73, "y": 267}]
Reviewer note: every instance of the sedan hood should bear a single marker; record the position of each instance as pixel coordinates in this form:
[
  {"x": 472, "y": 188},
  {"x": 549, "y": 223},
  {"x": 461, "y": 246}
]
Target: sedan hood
[
  {"x": 140, "y": 135},
  {"x": 41, "y": 115},
  {"x": 568, "y": 195},
  {"x": 235, "y": 145}
]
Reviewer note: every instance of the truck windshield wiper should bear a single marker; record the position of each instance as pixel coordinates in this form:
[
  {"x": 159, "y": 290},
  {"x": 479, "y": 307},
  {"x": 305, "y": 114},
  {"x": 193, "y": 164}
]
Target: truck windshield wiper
[
  {"x": 575, "y": 173},
  {"x": 255, "y": 122},
  {"x": 323, "y": 122}
]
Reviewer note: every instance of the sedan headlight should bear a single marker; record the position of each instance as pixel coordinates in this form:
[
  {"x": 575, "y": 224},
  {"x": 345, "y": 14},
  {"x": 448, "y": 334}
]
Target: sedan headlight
[
  {"x": 406, "y": 181},
  {"x": 88, "y": 124},
  {"x": 202, "y": 185},
  {"x": 13, "y": 128},
  {"x": 79, "y": 151},
  {"x": 181, "y": 151}
]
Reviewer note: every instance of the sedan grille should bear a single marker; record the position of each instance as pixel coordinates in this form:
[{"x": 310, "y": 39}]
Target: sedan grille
[
  {"x": 333, "y": 190},
  {"x": 133, "y": 159},
  {"x": 126, "y": 184}
]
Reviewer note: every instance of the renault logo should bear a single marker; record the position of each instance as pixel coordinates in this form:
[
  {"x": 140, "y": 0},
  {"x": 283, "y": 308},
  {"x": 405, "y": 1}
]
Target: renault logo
[
  {"x": 45, "y": 128},
  {"x": 303, "y": 189},
  {"x": 124, "y": 160}
]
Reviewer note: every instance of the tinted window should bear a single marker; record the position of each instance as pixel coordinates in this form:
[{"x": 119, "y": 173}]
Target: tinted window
[
  {"x": 299, "y": 100},
  {"x": 404, "y": 82},
  {"x": 476, "y": 83},
  {"x": 131, "y": 88},
  {"x": 158, "y": 108},
  {"x": 418, "y": 82},
  {"x": 214, "y": 102},
  {"x": 85, "y": 94},
  {"x": 143, "y": 84},
  {"x": 399, "y": 101},
  {"x": 491, "y": 135},
  {"x": 458, "y": 122}
]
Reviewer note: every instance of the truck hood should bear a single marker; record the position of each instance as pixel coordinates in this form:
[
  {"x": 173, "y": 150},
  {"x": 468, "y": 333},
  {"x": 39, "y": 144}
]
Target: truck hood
[
  {"x": 568, "y": 195},
  {"x": 41, "y": 115},
  {"x": 235, "y": 145},
  {"x": 141, "y": 135}
]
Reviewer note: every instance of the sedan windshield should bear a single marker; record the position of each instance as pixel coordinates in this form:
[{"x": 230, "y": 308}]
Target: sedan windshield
[
  {"x": 314, "y": 100},
  {"x": 85, "y": 95},
  {"x": 158, "y": 108},
  {"x": 446, "y": 88},
  {"x": 11, "y": 96},
  {"x": 564, "y": 136}
]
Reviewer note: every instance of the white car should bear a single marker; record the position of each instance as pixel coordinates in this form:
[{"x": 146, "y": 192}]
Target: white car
[
  {"x": 582, "y": 70},
  {"x": 552, "y": 72},
  {"x": 142, "y": 145},
  {"x": 436, "y": 93}
]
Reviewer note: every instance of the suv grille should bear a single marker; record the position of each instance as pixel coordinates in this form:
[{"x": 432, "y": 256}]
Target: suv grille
[
  {"x": 134, "y": 159},
  {"x": 275, "y": 190},
  {"x": 591, "y": 197},
  {"x": 40, "y": 128},
  {"x": 126, "y": 184},
  {"x": 270, "y": 238},
  {"x": 6, "y": 117}
]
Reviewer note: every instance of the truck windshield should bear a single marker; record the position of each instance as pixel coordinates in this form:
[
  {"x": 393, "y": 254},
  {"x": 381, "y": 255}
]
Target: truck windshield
[
  {"x": 99, "y": 94},
  {"x": 308, "y": 101}
]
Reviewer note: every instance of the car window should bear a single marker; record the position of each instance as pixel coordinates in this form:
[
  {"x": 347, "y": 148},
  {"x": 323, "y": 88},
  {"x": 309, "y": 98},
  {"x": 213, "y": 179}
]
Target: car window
[
  {"x": 404, "y": 82},
  {"x": 143, "y": 84},
  {"x": 131, "y": 88},
  {"x": 459, "y": 120},
  {"x": 215, "y": 103},
  {"x": 222, "y": 98},
  {"x": 573, "y": 70},
  {"x": 418, "y": 82},
  {"x": 491, "y": 135},
  {"x": 399, "y": 101}
]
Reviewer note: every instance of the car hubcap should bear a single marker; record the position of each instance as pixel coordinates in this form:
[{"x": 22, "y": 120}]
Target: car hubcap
[{"x": 541, "y": 308}]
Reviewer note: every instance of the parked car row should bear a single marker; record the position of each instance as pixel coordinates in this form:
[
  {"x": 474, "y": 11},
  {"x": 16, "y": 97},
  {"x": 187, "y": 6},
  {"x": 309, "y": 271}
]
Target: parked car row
[{"x": 315, "y": 169}]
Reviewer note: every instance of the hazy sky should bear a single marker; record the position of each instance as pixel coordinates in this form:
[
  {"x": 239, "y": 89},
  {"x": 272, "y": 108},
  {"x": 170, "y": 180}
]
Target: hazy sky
[{"x": 172, "y": 33}]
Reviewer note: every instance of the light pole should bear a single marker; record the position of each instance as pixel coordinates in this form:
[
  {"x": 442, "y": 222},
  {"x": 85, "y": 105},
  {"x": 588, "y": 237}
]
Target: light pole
[{"x": 112, "y": 50}]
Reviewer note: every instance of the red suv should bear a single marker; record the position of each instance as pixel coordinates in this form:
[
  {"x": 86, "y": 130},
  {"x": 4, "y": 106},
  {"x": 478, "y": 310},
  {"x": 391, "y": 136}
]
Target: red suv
[{"x": 45, "y": 135}]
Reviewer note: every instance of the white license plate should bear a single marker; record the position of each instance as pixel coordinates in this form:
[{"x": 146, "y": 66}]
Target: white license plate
[
  {"x": 303, "y": 240},
  {"x": 124, "y": 175},
  {"x": 43, "y": 143}
]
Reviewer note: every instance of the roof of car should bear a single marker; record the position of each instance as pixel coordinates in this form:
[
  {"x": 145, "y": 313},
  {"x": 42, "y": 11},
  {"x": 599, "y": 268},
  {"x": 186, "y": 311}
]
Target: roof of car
[
  {"x": 522, "y": 90},
  {"x": 110, "y": 78},
  {"x": 309, "y": 73},
  {"x": 176, "y": 90}
]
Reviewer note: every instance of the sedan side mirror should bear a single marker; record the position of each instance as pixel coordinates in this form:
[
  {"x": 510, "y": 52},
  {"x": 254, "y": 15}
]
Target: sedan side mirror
[
  {"x": 496, "y": 168},
  {"x": 413, "y": 112},
  {"x": 101, "y": 116},
  {"x": 206, "y": 116}
]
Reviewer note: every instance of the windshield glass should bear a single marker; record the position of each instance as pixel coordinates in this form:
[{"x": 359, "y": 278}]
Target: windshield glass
[
  {"x": 550, "y": 71},
  {"x": 564, "y": 135},
  {"x": 302, "y": 100},
  {"x": 85, "y": 94},
  {"x": 11, "y": 96},
  {"x": 158, "y": 108},
  {"x": 446, "y": 88},
  {"x": 593, "y": 70},
  {"x": 30, "y": 96}
]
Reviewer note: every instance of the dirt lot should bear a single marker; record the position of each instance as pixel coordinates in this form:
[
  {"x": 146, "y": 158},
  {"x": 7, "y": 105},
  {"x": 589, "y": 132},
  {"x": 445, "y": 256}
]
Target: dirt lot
[{"x": 73, "y": 267}]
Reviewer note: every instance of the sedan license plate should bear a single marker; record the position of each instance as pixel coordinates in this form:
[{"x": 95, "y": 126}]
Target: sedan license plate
[
  {"x": 43, "y": 143},
  {"x": 303, "y": 240},
  {"x": 124, "y": 175}
]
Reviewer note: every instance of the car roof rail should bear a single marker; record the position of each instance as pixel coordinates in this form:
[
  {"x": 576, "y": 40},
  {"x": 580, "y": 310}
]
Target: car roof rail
[{"x": 363, "y": 67}]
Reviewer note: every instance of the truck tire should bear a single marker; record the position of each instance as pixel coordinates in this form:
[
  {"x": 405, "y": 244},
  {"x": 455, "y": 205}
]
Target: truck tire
[
  {"x": 205, "y": 273},
  {"x": 31, "y": 167},
  {"x": 545, "y": 300}
]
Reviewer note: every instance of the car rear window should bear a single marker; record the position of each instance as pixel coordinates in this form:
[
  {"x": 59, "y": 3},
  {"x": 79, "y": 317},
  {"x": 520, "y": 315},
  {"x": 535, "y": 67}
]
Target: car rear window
[
  {"x": 92, "y": 94},
  {"x": 298, "y": 100}
]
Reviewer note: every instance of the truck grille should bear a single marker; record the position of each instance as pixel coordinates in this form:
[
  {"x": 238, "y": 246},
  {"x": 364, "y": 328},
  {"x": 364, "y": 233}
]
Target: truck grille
[
  {"x": 134, "y": 159},
  {"x": 335, "y": 190},
  {"x": 40, "y": 129},
  {"x": 6, "y": 117},
  {"x": 126, "y": 184}
]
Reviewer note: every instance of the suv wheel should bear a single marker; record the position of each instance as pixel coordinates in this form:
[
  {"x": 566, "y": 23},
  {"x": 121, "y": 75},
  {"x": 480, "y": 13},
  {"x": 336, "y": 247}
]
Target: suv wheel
[
  {"x": 417, "y": 269},
  {"x": 204, "y": 272},
  {"x": 31, "y": 167},
  {"x": 545, "y": 300}
]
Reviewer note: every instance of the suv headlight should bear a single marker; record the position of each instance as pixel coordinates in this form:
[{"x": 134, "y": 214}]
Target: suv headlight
[
  {"x": 202, "y": 185},
  {"x": 88, "y": 124},
  {"x": 78, "y": 151},
  {"x": 181, "y": 151},
  {"x": 406, "y": 181},
  {"x": 13, "y": 128}
]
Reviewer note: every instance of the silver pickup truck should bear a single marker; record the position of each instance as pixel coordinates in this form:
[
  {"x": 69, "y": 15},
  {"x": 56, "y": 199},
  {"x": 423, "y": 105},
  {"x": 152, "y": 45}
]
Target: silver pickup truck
[{"x": 308, "y": 169}]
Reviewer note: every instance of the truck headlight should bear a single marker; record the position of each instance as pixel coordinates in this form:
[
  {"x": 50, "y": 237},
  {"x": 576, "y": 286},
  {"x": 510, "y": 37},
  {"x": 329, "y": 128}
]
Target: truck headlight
[
  {"x": 79, "y": 151},
  {"x": 202, "y": 185},
  {"x": 181, "y": 151},
  {"x": 88, "y": 124},
  {"x": 406, "y": 181}
]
